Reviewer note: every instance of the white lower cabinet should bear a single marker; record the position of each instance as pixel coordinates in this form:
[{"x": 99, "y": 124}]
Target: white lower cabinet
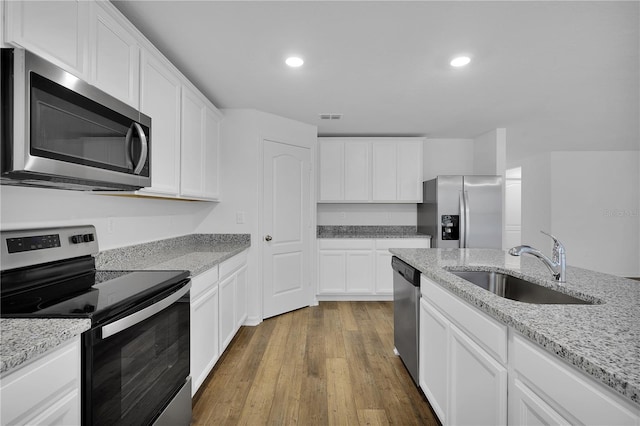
[
  {"x": 205, "y": 347},
  {"x": 462, "y": 381},
  {"x": 546, "y": 390},
  {"x": 218, "y": 310},
  {"x": 359, "y": 268},
  {"x": 45, "y": 391},
  {"x": 233, "y": 300}
]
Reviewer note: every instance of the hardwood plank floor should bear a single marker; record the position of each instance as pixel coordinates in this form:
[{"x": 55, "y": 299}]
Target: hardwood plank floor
[{"x": 331, "y": 364}]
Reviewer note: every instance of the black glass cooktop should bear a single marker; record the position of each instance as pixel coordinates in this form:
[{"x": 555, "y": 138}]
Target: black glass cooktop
[{"x": 98, "y": 295}]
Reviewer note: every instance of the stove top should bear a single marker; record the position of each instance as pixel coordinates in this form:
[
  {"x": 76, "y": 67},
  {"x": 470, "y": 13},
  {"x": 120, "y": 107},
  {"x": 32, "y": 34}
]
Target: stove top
[
  {"x": 113, "y": 292},
  {"x": 52, "y": 275}
]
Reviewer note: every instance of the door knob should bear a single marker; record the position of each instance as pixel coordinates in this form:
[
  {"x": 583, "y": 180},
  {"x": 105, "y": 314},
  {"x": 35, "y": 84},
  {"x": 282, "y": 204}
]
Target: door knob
[{"x": 268, "y": 238}]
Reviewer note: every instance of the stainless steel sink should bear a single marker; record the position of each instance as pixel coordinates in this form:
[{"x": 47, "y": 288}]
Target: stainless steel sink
[{"x": 514, "y": 288}]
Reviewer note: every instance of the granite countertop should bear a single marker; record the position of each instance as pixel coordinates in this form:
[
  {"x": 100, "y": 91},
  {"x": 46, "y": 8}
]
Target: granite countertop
[
  {"x": 24, "y": 339},
  {"x": 195, "y": 253},
  {"x": 602, "y": 340},
  {"x": 325, "y": 231}
]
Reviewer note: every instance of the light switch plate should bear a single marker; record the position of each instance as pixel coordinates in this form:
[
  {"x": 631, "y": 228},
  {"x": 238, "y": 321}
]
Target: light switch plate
[{"x": 239, "y": 217}]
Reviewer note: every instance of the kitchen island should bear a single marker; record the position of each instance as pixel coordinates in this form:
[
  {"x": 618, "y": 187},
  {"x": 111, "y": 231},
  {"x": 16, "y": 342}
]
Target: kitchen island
[{"x": 602, "y": 339}]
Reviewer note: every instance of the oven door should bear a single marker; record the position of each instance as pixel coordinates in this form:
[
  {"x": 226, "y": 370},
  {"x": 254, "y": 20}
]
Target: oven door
[{"x": 135, "y": 366}]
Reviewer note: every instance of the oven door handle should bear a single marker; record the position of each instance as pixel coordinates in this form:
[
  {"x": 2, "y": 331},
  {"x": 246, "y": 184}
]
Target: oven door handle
[{"x": 137, "y": 317}]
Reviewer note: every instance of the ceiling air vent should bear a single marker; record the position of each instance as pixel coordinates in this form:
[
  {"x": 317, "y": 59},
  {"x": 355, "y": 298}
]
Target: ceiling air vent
[{"x": 330, "y": 116}]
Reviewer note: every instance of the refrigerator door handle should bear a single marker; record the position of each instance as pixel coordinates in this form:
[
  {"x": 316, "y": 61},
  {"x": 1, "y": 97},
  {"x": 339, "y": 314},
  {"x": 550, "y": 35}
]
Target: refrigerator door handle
[
  {"x": 467, "y": 223},
  {"x": 463, "y": 221}
]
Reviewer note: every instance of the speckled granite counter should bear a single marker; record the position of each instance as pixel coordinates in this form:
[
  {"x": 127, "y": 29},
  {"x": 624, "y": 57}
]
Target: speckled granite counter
[
  {"x": 325, "y": 231},
  {"x": 24, "y": 339},
  {"x": 603, "y": 339},
  {"x": 195, "y": 253}
]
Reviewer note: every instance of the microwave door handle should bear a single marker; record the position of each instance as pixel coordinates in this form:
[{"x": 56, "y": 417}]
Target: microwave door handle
[
  {"x": 137, "y": 317},
  {"x": 127, "y": 147},
  {"x": 145, "y": 149}
]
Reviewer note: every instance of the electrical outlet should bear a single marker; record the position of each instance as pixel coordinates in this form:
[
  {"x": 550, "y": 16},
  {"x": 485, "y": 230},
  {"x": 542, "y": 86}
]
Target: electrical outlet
[{"x": 240, "y": 217}]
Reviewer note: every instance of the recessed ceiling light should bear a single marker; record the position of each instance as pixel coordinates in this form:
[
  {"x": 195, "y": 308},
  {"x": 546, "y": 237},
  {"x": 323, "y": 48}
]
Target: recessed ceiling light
[
  {"x": 294, "y": 62},
  {"x": 460, "y": 61}
]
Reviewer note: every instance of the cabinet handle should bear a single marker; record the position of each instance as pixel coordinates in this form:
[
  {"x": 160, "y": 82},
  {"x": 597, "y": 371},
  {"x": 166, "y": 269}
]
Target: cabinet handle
[{"x": 268, "y": 238}]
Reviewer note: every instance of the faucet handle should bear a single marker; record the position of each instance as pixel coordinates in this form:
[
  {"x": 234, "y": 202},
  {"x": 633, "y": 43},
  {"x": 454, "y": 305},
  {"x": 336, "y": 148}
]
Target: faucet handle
[{"x": 558, "y": 247}]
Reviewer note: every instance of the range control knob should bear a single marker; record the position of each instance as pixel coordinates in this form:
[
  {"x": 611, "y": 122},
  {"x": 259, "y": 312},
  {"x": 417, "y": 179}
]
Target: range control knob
[
  {"x": 86, "y": 238},
  {"x": 76, "y": 239}
]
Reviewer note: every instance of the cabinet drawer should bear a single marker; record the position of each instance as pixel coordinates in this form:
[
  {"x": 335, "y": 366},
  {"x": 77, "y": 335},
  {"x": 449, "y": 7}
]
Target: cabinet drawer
[
  {"x": 33, "y": 389},
  {"x": 573, "y": 394},
  {"x": 345, "y": 244},
  {"x": 233, "y": 263},
  {"x": 203, "y": 282},
  {"x": 486, "y": 331},
  {"x": 387, "y": 243}
]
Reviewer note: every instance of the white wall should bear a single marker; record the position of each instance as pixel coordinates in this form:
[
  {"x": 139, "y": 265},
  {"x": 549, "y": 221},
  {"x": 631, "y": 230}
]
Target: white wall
[
  {"x": 490, "y": 153},
  {"x": 589, "y": 200},
  {"x": 448, "y": 157},
  {"x": 242, "y": 133},
  {"x": 119, "y": 221},
  {"x": 367, "y": 214}
]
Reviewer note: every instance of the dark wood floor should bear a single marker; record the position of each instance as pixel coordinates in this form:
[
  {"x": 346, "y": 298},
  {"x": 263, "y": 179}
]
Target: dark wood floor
[{"x": 331, "y": 364}]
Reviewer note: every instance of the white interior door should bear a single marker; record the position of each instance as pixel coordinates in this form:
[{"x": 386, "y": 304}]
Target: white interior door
[{"x": 287, "y": 221}]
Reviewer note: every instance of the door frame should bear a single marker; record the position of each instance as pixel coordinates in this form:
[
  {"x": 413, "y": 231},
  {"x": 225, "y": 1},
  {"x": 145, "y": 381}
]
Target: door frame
[{"x": 259, "y": 244}]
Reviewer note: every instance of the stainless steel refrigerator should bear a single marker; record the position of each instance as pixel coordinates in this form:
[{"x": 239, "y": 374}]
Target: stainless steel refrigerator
[{"x": 462, "y": 211}]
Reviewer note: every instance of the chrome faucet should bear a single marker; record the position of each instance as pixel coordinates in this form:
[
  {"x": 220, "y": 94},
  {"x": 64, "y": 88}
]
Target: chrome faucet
[{"x": 557, "y": 266}]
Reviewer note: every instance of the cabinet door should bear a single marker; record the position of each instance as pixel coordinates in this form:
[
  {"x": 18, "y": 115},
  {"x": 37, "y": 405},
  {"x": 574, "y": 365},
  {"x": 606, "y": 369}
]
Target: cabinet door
[
  {"x": 332, "y": 271},
  {"x": 478, "y": 383},
  {"x": 384, "y": 273},
  {"x": 211, "y": 155},
  {"x": 56, "y": 30},
  {"x": 410, "y": 171},
  {"x": 46, "y": 391},
  {"x": 359, "y": 277},
  {"x": 160, "y": 99},
  {"x": 331, "y": 170},
  {"x": 241, "y": 296},
  {"x": 433, "y": 364},
  {"x": 527, "y": 409},
  {"x": 193, "y": 136},
  {"x": 227, "y": 311},
  {"x": 356, "y": 171},
  {"x": 115, "y": 63},
  {"x": 204, "y": 336},
  {"x": 384, "y": 172}
]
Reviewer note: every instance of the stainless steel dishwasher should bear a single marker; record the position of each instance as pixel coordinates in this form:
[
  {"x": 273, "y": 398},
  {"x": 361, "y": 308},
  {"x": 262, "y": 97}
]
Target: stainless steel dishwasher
[{"x": 406, "y": 314}]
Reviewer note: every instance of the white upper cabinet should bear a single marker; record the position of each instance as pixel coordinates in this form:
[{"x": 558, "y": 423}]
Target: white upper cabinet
[
  {"x": 409, "y": 174},
  {"x": 115, "y": 55},
  {"x": 212, "y": 153},
  {"x": 160, "y": 99},
  {"x": 356, "y": 171},
  {"x": 370, "y": 170},
  {"x": 331, "y": 156},
  {"x": 199, "y": 149},
  {"x": 385, "y": 171},
  {"x": 55, "y": 30}
]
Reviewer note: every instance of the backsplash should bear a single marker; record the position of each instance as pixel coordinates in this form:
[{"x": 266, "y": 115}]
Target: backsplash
[{"x": 333, "y": 231}]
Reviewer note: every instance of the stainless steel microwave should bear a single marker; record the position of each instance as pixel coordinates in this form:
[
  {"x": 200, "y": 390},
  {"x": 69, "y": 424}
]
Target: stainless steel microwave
[{"x": 61, "y": 132}]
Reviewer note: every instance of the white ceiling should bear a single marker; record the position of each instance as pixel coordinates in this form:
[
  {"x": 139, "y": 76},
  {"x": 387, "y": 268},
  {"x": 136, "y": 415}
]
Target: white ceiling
[{"x": 544, "y": 70}]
